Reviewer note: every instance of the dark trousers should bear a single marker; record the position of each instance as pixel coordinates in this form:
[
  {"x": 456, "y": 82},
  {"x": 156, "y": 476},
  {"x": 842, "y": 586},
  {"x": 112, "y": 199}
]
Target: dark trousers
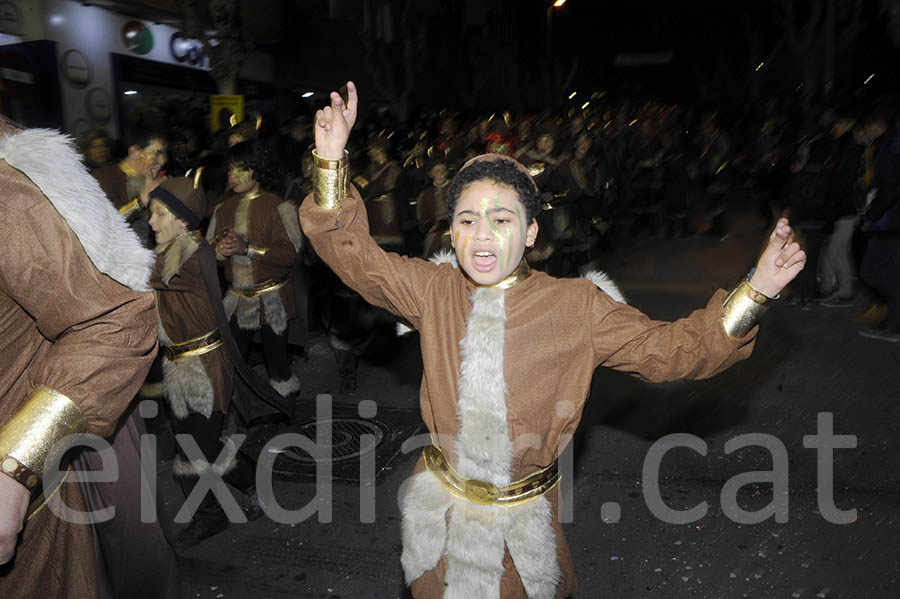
[
  {"x": 881, "y": 269},
  {"x": 207, "y": 433},
  {"x": 805, "y": 286},
  {"x": 275, "y": 349}
]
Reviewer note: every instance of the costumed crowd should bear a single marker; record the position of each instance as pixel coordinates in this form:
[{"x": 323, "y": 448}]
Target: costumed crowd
[{"x": 151, "y": 275}]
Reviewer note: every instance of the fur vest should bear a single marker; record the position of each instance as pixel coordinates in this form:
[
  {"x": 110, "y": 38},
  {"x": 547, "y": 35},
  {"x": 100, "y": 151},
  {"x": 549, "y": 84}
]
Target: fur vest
[{"x": 475, "y": 537}]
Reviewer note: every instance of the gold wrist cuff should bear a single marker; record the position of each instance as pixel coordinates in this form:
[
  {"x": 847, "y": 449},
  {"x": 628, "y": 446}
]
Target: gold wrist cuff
[
  {"x": 131, "y": 210},
  {"x": 29, "y": 436},
  {"x": 330, "y": 181},
  {"x": 742, "y": 309},
  {"x": 255, "y": 252}
]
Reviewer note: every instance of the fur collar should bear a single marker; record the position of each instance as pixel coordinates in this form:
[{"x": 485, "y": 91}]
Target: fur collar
[
  {"x": 179, "y": 251},
  {"x": 599, "y": 278},
  {"x": 50, "y": 160}
]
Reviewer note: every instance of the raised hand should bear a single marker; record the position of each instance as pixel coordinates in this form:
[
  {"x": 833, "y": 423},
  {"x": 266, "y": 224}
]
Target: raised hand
[
  {"x": 333, "y": 124},
  {"x": 781, "y": 260}
]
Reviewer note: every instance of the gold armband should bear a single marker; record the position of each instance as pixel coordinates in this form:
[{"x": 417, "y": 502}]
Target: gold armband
[
  {"x": 330, "y": 181},
  {"x": 741, "y": 309},
  {"x": 131, "y": 210},
  {"x": 256, "y": 252},
  {"x": 28, "y": 438}
]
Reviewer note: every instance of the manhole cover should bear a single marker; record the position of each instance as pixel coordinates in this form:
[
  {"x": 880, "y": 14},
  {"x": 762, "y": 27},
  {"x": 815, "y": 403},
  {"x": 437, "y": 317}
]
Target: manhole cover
[
  {"x": 390, "y": 429},
  {"x": 346, "y": 436}
]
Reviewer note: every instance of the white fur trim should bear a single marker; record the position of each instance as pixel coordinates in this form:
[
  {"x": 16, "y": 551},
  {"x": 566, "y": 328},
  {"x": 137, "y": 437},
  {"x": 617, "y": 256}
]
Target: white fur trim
[
  {"x": 183, "y": 247},
  {"x": 211, "y": 229},
  {"x": 483, "y": 447},
  {"x": 49, "y": 159},
  {"x": 246, "y": 309},
  {"x": 186, "y": 385},
  {"x": 476, "y": 536},
  {"x": 444, "y": 257},
  {"x": 274, "y": 313},
  {"x": 475, "y": 543},
  {"x": 605, "y": 284},
  {"x": 532, "y": 546},
  {"x": 424, "y": 528},
  {"x": 286, "y": 388},
  {"x": 474, "y": 551},
  {"x": 182, "y": 467},
  {"x": 290, "y": 218}
]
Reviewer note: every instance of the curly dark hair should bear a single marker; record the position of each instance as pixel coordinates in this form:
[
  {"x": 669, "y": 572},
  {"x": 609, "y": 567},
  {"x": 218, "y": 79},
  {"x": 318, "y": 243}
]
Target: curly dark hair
[
  {"x": 503, "y": 172},
  {"x": 254, "y": 156}
]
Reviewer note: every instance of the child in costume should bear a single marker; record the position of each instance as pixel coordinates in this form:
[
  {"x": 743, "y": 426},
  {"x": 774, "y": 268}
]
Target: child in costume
[
  {"x": 200, "y": 357},
  {"x": 478, "y": 520},
  {"x": 257, "y": 235}
]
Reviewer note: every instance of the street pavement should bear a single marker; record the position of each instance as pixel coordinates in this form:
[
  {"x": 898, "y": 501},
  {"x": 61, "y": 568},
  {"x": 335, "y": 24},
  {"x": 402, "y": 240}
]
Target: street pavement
[{"x": 805, "y": 363}]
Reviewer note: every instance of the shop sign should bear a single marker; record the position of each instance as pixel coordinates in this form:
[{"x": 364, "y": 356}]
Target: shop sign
[
  {"x": 186, "y": 50},
  {"x": 225, "y": 110},
  {"x": 137, "y": 37}
]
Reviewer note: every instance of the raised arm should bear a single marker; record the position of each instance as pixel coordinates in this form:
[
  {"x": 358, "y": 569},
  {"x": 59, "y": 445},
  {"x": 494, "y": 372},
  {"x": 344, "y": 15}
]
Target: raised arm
[
  {"x": 334, "y": 219},
  {"x": 709, "y": 340}
]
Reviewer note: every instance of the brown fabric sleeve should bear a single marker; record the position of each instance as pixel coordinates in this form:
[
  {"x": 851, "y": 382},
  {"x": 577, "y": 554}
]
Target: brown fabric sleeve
[
  {"x": 393, "y": 282},
  {"x": 104, "y": 334},
  {"x": 280, "y": 252},
  {"x": 694, "y": 347}
]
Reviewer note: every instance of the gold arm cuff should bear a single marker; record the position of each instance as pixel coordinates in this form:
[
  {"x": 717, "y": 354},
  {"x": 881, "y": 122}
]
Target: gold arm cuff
[
  {"x": 31, "y": 433},
  {"x": 330, "y": 181},
  {"x": 131, "y": 210},
  {"x": 256, "y": 252},
  {"x": 742, "y": 309}
]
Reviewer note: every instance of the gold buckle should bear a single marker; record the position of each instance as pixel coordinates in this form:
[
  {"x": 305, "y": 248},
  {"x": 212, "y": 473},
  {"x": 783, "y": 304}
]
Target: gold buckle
[{"x": 481, "y": 491}]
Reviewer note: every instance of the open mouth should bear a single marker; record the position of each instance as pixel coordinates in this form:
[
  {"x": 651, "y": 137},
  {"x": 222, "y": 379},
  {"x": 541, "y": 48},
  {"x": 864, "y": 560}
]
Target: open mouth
[{"x": 484, "y": 261}]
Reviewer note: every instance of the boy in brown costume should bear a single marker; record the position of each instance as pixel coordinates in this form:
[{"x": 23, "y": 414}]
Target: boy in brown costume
[
  {"x": 257, "y": 235},
  {"x": 200, "y": 357},
  {"x": 478, "y": 520}
]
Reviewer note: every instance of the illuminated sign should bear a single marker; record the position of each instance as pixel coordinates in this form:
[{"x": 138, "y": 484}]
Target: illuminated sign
[
  {"x": 186, "y": 50},
  {"x": 137, "y": 37}
]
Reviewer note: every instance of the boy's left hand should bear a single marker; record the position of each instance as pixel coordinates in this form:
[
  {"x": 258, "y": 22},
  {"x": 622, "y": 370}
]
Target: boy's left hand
[
  {"x": 231, "y": 245},
  {"x": 782, "y": 259}
]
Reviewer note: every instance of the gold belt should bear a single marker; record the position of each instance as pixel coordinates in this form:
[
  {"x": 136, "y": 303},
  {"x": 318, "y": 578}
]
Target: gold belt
[
  {"x": 193, "y": 347},
  {"x": 485, "y": 493},
  {"x": 264, "y": 287}
]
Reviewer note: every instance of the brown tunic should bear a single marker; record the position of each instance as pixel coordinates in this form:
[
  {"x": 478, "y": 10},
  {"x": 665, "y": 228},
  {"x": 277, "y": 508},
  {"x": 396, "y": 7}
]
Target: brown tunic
[
  {"x": 561, "y": 328},
  {"x": 185, "y": 311},
  {"x": 121, "y": 191},
  {"x": 258, "y": 222},
  {"x": 65, "y": 325}
]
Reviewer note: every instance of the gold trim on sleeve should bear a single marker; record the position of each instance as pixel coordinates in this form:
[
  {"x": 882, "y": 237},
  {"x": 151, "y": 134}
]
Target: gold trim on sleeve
[
  {"x": 131, "y": 210},
  {"x": 256, "y": 252},
  {"x": 330, "y": 181},
  {"x": 29, "y": 436},
  {"x": 742, "y": 309}
]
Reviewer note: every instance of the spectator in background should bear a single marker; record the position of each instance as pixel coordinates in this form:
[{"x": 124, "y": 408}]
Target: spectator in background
[
  {"x": 844, "y": 201},
  {"x": 97, "y": 148},
  {"x": 881, "y": 263}
]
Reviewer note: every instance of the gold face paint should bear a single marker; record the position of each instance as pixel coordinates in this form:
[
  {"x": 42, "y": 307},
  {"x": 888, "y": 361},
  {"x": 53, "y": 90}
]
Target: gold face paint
[
  {"x": 241, "y": 176},
  {"x": 465, "y": 245},
  {"x": 494, "y": 228}
]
